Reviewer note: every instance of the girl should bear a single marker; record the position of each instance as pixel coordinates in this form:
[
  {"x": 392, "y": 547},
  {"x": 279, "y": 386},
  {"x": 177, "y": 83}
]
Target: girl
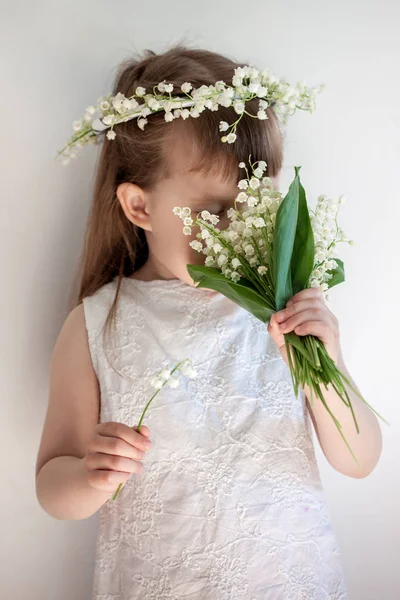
[{"x": 225, "y": 501}]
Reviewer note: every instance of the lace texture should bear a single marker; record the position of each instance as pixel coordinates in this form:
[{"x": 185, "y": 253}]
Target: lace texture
[{"x": 229, "y": 505}]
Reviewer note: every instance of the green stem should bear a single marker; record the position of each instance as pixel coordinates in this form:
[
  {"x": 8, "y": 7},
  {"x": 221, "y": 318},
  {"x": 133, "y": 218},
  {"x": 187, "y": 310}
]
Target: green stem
[
  {"x": 144, "y": 412},
  {"x": 322, "y": 370}
]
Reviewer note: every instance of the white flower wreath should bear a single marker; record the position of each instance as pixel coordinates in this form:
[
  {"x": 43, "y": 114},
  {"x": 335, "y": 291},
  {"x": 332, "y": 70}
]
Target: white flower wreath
[{"x": 247, "y": 83}]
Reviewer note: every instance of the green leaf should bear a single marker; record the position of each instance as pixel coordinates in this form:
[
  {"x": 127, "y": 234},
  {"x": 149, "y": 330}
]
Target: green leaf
[
  {"x": 337, "y": 274},
  {"x": 303, "y": 247},
  {"x": 242, "y": 292},
  {"x": 284, "y": 236}
]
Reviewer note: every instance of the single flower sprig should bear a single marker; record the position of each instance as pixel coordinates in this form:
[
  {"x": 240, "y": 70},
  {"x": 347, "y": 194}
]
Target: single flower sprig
[
  {"x": 168, "y": 376},
  {"x": 327, "y": 234},
  {"x": 248, "y": 83}
]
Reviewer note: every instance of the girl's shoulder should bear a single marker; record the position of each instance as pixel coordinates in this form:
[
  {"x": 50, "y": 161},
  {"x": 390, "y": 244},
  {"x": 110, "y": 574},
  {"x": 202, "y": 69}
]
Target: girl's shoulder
[
  {"x": 103, "y": 298},
  {"x": 98, "y": 305},
  {"x": 105, "y": 291}
]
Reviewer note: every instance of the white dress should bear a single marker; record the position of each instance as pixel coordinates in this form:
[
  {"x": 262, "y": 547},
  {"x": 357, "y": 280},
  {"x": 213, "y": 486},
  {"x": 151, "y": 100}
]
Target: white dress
[{"x": 229, "y": 505}]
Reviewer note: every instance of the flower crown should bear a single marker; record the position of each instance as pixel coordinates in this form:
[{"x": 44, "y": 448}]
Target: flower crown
[{"x": 247, "y": 83}]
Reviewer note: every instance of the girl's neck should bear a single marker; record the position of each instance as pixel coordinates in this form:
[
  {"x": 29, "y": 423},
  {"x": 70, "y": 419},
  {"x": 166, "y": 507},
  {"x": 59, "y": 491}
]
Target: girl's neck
[{"x": 150, "y": 272}]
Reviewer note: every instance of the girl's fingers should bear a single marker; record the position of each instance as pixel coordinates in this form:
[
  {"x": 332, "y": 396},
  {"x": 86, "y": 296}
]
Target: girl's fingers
[
  {"x": 317, "y": 328},
  {"x": 274, "y": 324},
  {"x": 114, "y": 445},
  {"x": 125, "y": 433},
  {"x": 307, "y": 294},
  {"x": 107, "y": 480},
  {"x": 112, "y": 462},
  {"x": 297, "y": 307},
  {"x": 312, "y": 314},
  {"x": 144, "y": 430}
]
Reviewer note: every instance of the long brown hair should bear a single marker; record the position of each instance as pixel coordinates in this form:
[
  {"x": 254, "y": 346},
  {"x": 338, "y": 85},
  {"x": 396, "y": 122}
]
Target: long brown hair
[{"x": 113, "y": 246}]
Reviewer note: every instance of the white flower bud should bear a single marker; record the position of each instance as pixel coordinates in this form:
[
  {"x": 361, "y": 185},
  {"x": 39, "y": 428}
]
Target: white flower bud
[
  {"x": 196, "y": 245},
  {"x": 221, "y": 260},
  {"x": 186, "y": 87},
  {"x": 111, "y": 135},
  {"x": 77, "y": 125},
  {"x": 153, "y": 103},
  {"x": 241, "y": 197},
  {"x": 141, "y": 123},
  {"x": 236, "y": 263},
  {"x": 156, "y": 383},
  {"x": 238, "y": 107},
  {"x": 254, "y": 183},
  {"x": 173, "y": 382},
  {"x": 188, "y": 371},
  {"x": 217, "y": 248},
  {"x": 259, "y": 222}
]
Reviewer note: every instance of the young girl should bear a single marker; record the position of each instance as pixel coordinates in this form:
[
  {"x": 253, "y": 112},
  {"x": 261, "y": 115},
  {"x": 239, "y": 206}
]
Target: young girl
[{"x": 225, "y": 501}]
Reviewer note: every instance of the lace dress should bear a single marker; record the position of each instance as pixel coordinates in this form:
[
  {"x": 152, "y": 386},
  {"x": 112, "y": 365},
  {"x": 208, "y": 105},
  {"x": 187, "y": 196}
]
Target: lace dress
[{"x": 229, "y": 505}]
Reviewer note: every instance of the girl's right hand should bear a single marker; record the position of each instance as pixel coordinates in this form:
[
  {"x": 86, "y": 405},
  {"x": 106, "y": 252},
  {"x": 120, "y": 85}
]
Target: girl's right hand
[{"x": 114, "y": 453}]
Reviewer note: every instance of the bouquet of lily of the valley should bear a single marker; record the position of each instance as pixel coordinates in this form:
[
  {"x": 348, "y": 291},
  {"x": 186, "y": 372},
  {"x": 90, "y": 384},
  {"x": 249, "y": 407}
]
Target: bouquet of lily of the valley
[{"x": 273, "y": 248}]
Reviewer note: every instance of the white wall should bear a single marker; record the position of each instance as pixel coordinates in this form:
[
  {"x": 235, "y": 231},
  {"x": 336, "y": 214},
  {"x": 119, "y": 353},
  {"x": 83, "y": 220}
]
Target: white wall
[{"x": 56, "y": 59}]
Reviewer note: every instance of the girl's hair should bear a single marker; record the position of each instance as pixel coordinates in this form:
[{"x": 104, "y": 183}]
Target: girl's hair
[{"x": 113, "y": 246}]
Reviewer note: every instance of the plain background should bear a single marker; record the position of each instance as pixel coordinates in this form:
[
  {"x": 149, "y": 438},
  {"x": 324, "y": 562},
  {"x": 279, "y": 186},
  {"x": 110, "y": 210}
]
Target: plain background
[{"x": 59, "y": 57}]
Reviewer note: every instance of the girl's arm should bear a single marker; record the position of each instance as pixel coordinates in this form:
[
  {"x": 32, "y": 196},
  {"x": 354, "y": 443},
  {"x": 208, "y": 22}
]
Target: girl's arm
[
  {"x": 62, "y": 485},
  {"x": 366, "y": 445},
  {"x": 308, "y": 314}
]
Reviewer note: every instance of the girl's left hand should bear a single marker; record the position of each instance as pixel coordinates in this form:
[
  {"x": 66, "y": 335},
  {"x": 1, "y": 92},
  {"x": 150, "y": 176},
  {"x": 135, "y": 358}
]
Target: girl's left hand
[{"x": 306, "y": 314}]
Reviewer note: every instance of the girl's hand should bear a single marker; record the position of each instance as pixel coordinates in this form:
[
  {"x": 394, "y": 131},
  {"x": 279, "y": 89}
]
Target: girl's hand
[
  {"x": 114, "y": 453},
  {"x": 306, "y": 314}
]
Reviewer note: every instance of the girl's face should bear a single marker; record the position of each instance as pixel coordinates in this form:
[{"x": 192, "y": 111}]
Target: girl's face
[{"x": 169, "y": 250}]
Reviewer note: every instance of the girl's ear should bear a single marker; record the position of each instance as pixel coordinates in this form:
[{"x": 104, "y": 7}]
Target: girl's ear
[{"x": 134, "y": 203}]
